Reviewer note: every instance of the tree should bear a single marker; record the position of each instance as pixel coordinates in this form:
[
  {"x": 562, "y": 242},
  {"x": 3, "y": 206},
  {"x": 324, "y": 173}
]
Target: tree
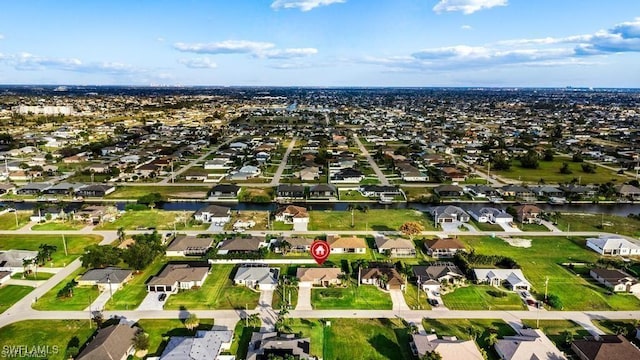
[
  {"x": 282, "y": 322},
  {"x": 191, "y": 322},
  {"x": 121, "y": 234},
  {"x": 548, "y": 155},
  {"x": 500, "y": 162},
  {"x": 568, "y": 337},
  {"x": 577, "y": 157},
  {"x": 491, "y": 338},
  {"x": 554, "y": 301},
  {"x": 588, "y": 168},
  {"x": 411, "y": 228},
  {"x": 565, "y": 169},
  {"x": 474, "y": 332},
  {"x": 26, "y": 266},
  {"x": 141, "y": 341},
  {"x": 431, "y": 355},
  {"x": 151, "y": 198},
  {"x": 530, "y": 160},
  {"x": 45, "y": 251},
  {"x": 96, "y": 256},
  {"x": 143, "y": 251}
]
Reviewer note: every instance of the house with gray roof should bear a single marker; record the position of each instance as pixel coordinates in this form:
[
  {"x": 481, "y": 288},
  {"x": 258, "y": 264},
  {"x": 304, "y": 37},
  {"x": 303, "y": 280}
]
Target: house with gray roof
[
  {"x": 205, "y": 345},
  {"x": 104, "y": 278},
  {"x": 114, "y": 342},
  {"x": 260, "y": 277},
  {"x": 449, "y": 214},
  {"x": 12, "y": 260},
  {"x": 264, "y": 344}
]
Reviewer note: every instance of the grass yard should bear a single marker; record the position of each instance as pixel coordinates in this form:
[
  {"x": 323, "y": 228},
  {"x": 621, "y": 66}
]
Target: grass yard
[
  {"x": 132, "y": 294},
  {"x": 311, "y": 328},
  {"x": 543, "y": 260},
  {"x": 417, "y": 193},
  {"x": 82, "y": 297},
  {"x": 351, "y": 195},
  {"x": 259, "y": 217},
  {"x": 8, "y": 220},
  {"x": 54, "y": 335},
  {"x": 416, "y": 300},
  {"x": 557, "y": 331},
  {"x": 281, "y": 226},
  {"x": 159, "y": 219},
  {"x": 550, "y": 172},
  {"x": 241, "y": 339},
  {"x": 460, "y": 329},
  {"x": 33, "y": 276},
  {"x": 290, "y": 293},
  {"x": 59, "y": 225},
  {"x": 11, "y": 294},
  {"x": 160, "y": 330},
  {"x": 367, "y": 339},
  {"x": 217, "y": 292},
  {"x": 352, "y": 297},
  {"x": 485, "y": 226},
  {"x": 478, "y": 297},
  {"x": 532, "y": 227},
  {"x": 617, "y": 326},
  {"x": 261, "y": 195},
  {"x": 134, "y": 192},
  {"x": 593, "y": 222},
  {"x": 75, "y": 245},
  {"x": 373, "y": 219}
]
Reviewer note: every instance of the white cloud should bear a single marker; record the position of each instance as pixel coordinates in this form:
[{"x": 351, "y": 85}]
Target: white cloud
[
  {"x": 466, "y": 6},
  {"x": 160, "y": 39},
  {"x": 288, "y": 53},
  {"x": 198, "y": 63},
  {"x": 30, "y": 62},
  {"x": 466, "y": 27},
  {"x": 1, "y": 36},
  {"x": 303, "y": 5},
  {"x": 225, "y": 47}
]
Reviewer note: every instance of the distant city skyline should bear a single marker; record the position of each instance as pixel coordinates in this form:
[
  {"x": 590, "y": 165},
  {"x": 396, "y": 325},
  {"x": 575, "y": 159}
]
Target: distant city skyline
[{"x": 404, "y": 43}]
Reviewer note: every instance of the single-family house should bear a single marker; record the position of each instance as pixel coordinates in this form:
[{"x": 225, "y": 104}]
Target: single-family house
[
  {"x": 379, "y": 191},
  {"x": 443, "y": 248},
  {"x": 176, "y": 277},
  {"x": 63, "y": 188},
  {"x": 616, "y": 280},
  {"x": 33, "y": 188},
  {"x": 448, "y": 190},
  {"x": 186, "y": 245},
  {"x": 322, "y": 276},
  {"x": 480, "y": 191},
  {"x": 529, "y": 214},
  {"x": 309, "y": 173},
  {"x": 395, "y": 247},
  {"x": 98, "y": 168},
  {"x": 347, "y": 245},
  {"x": 115, "y": 342},
  {"x": 265, "y": 345},
  {"x": 449, "y": 214},
  {"x": 518, "y": 192},
  {"x": 257, "y": 277},
  {"x": 512, "y": 279},
  {"x": 238, "y": 245},
  {"x": 296, "y": 215},
  {"x": 323, "y": 191},
  {"x": 448, "y": 347},
  {"x": 605, "y": 347},
  {"x": 13, "y": 260},
  {"x": 613, "y": 245},
  {"x": 548, "y": 191},
  {"x": 94, "y": 214},
  {"x": 4, "y": 277},
  {"x": 213, "y": 214},
  {"x": 221, "y": 191},
  {"x": 95, "y": 190},
  {"x": 430, "y": 277},
  {"x": 629, "y": 191},
  {"x": 219, "y": 163},
  {"x": 245, "y": 172},
  {"x": 452, "y": 174},
  {"x": 347, "y": 175},
  {"x": 7, "y": 188},
  {"x": 110, "y": 278},
  {"x": 290, "y": 192},
  {"x": 299, "y": 244},
  {"x": 528, "y": 344},
  {"x": 385, "y": 277},
  {"x": 205, "y": 345},
  {"x": 491, "y": 216}
]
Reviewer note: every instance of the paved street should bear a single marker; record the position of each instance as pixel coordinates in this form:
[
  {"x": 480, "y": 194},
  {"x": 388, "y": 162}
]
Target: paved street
[
  {"x": 283, "y": 163},
  {"x": 383, "y": 179},
  {"x": 193, "y": 162}
]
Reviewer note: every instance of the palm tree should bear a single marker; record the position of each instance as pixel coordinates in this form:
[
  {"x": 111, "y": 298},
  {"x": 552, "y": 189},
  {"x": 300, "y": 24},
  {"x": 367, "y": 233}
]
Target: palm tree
[
  {"x": 474, "y": 332},
  {"x": 492, "y": 338},
  {"x": 192, "y": 321},
  {"x": 26, "y": 264},
  {"x": 46, "y": 251},
  {"x": 121, "y": 234}
]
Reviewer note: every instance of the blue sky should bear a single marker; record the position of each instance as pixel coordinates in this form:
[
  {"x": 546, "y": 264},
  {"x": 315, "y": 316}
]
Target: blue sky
[{"x": 321, "y": 42}]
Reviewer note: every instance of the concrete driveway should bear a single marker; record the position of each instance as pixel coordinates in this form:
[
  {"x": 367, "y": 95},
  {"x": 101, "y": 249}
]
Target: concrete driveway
[
  {"x": 266, "y": 297},
  {"x": 151, "y": 302},
  {"x": 304, "y": 298},
  {"x": 397, "y": 298}
]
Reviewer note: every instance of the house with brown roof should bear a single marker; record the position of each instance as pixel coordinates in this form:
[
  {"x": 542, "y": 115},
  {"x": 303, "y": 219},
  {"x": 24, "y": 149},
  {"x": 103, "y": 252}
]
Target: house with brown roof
[
  {"x": 299, "y": 244},
  {"x": 605, "y": 347},
  {"x": 176, "y": 277},
  {"x": 385, "y": 277},
  {"x": 296, "y": 215},
  {"x": 443, "y": 248},
  {"x": 239, "y": 245},
  {"x": 395, "y": 247},
  {"x": 616, "y": 280},
  {"x": 528, "y": 214},
  {"x": 347, "y": 245},
  {"x": 114, "y": 342},
  {"x": 184, "y": 245},
  {"x": 324, "y": 276}
]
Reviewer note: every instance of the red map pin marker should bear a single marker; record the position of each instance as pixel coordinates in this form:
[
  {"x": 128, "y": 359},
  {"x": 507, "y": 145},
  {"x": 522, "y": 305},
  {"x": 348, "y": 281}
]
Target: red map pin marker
[{"x": 320, "y": 251}]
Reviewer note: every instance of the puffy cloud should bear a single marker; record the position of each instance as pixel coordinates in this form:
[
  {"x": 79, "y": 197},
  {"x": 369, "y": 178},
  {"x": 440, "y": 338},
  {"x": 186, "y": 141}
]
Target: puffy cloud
[
  {"x": 1, "y": 36},
  {"x": 466, "y": 27},
  {"x": 225, "y": 47},
  {"x": 303, "y": 5},
  {"x": 466, "y": 6},
  {"x": 288, "y": 53},
  {"x": 29, "y": 62},
  {"x": 198, "y": 63}
]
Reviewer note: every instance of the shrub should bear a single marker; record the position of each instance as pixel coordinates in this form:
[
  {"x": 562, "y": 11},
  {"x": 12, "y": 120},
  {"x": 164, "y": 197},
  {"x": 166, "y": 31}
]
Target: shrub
[{"x": 497, "y": 293}]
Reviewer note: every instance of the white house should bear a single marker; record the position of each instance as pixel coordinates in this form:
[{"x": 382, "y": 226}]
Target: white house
[
  {"x": 296, "y": 215},
  {"x": 176, "y": 277},
  {"x": 613, "y": 245},
  {"x": 491, "y": 216},
  {"x": 616, "y": 280},
  {"x": 205, "y": 345},
  {"x": 528, "y": 344},
  {"x": 263, "y": 278},
  {"x": 513, "y": 278},
  {"x": 218, "y": 164},
  {"x": 12, "y": 260},
  {"x": 213, "y": 214}
]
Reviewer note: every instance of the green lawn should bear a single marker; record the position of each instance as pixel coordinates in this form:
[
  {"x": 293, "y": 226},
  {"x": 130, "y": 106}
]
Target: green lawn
[
  {"x": 54, "y": 335},
  {"x": 417, "y": 193},
  {"x": 346, "y": 195},
  {"x": 33, "y": 276},
  {"x": 543, "y": 260},
  {"x": 366, "y": 339},
  {"x": 615, "y": 326},
  {"x": 550, "y": 172},
  {"x": 477, "y": 297},
  {"x": 485, "y": 226},
  {"x": 416, "y": 300},
  {"x": 311, "y": 328},
  {"x": 58, "y": 225},
  {"x": 281, "y": 226},
  {"x": 593, "y": 222},
  {"x": 557, "y": 331},
  {"x": 8, "y": 220},
  {"x": 217, "y": 292},
  {"x": 460, "y": 329},
  {"x": 532, "y": 227},
  {"x": 373, "y": 219},
  {"x": 241, "y": 339},
  {"x": 352, "y": 297},
  {"x": 82, "y": 297},
  {"x": 159, "y": 219},
  {"x": 75, "y": 245},
  {"x": 11, "y": 294},
  {"x": 160, "y": 330},
  {"x": 134, "y": 192},
  {"x": 132, "y": 294},
  {"x": 290, "y": 293}
]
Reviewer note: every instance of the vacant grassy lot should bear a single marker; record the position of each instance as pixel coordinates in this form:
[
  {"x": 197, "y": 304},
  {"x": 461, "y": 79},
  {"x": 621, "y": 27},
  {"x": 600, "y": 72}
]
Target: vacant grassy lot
[
  {"x": 82, "y": 297},
  {"x": 52, "y": 334},
  {"x": 59, "y": 225},
  {"x": 346, "y": 195},
  {"x": 259, "y": 217},
  {"x": 160, "y": 330},
  {"x": 550, "y": 172},
  {"x": 532, "y": 227},
  {"x": 593, "y": 222},
  {"x": 416, "y": 300},
  {"x": 159, "y": 219},
  {"x": 485, "y": 226},
  {"x": 217, "y": 292},
  {"x": 11, "y": 294},
  {"x": 557, "y": 331},
  {"x": 290, "y": 297},
  {"x": 478, "y": 297},
  {"x": 8, "y": 220},
  {"x": 460, "y": 329},
  {"x": 352, "y": 297},
  {"x": 132, "y": 294},
  {"x": 543, "y": 260},
  {"x": 75, "y": 245},
  {"x": 367, "y": 339},
  {"x": 134, "y": 192},
  {"x": 376, "y": 220}
]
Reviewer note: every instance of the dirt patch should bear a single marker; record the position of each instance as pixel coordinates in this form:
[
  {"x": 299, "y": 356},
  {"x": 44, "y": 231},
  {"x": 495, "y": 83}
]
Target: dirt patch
[
  {"x": 521, "y": 243},
  {"x": 189, "y": 195}
]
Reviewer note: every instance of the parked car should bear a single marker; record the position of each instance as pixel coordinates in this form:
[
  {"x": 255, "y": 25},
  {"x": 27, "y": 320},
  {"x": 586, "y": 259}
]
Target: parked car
[
  {"x": 162, "y": 296},
  {"x": 433, "y": 302}
]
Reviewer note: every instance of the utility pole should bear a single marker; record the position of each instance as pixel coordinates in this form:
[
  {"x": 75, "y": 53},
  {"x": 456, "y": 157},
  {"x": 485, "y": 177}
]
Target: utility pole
[
  {"x": 172, "y": 173},
  {"x": 64, "y": 244},
  {"x": 546, "y": 285},
  {"x": 352, "y": 224},
  {"x": 488, "y": 172},
  {"x": 15, "y": 212}
]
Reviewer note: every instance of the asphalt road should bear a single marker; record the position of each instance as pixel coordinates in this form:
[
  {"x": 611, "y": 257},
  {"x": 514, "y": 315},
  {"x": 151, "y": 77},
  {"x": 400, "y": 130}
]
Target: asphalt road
[{"x": 383, "y": 179}]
